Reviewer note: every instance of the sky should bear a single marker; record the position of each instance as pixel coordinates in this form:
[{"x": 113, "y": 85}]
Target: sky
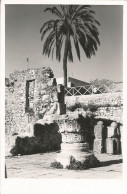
[{"x": 23, "y": 40}]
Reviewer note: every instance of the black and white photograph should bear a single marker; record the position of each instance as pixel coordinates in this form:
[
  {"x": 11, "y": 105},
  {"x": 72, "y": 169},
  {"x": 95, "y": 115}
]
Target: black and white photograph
[{"x": 63, "y": 91}]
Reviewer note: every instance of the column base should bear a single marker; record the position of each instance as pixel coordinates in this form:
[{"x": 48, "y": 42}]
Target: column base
[
  {"x": 76, "y": 156},
  {"x": 113, "y": 146},
  {"x": 99, "y": 146}
]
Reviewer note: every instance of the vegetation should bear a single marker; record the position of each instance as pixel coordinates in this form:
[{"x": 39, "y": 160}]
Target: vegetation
[
  {"x": 104, "y": 85},
  {"x": 82, "y": 165},
  {"x": 91, "y": 106},
  {"x": 73, "y": 22},
  {"x": 56, "y": 165},
  {"x": 78, "y": 165}
]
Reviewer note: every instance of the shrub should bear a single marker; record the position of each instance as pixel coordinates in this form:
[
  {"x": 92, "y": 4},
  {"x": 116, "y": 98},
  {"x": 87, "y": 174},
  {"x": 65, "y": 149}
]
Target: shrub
[
  {"x": 57, "y": 165},
  {"x": 74, "y": 107},
  {"x": 93, "y": 107},
  {"x": 77, "y": 165},
  {"x": 82, "y": 165}
]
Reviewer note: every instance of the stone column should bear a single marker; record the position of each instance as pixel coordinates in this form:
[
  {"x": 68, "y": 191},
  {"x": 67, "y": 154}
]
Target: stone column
[
  {"x": 99, "y": 142},
  {"x": 74, "y": 152},
  {"x": 113, "y": 139}
]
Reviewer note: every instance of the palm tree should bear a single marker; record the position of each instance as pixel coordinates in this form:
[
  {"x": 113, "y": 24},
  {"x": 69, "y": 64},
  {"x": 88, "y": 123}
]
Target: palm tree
[{"x": 73, "y": 22}]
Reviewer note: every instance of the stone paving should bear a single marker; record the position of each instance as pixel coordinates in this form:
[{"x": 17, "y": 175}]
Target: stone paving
[{"x": 38, "y": 166}]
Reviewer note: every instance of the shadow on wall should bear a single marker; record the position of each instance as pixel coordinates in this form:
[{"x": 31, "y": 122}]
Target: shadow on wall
[
  {"x": 46, "y": 138},
  {"x": 87, "y": 128},
  {"x": 98, "y": 136}
]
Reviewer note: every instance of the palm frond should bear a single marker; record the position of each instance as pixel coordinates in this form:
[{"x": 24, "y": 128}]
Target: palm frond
[
  {"x": 77, "y": 49},
  {"x": 59, "y": 47},
  {"x": 63, "y": 9},
  {"x": 54, "y": 11},
  {"x": 51, "y": 37},
  {"x": 46, "y": 24},
  {"x": 81, "y": 9},
  {"x": 79, "y": 23}
]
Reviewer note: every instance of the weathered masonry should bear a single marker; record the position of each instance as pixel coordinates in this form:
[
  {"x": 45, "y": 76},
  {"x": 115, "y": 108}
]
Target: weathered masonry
[
  {"x": 37, "y": 121},
  {"x": 31, "y": 94}
]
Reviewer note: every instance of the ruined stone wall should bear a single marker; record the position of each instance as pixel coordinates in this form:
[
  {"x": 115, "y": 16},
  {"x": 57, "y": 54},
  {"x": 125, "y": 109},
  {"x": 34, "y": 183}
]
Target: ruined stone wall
[
  {"x": 30, "y": 95},
  {"x": 109, "y": 104},
  {"x": 98, "y": 99}
]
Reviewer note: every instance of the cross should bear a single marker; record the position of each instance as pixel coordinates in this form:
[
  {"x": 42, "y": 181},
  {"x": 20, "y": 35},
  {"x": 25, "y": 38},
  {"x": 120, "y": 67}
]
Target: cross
[{"x": 27, "y": 59}]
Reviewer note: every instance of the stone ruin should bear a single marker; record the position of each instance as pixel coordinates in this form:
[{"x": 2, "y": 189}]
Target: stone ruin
[
  {"x": 30, "y": 95},
  {"x": 36, "y": 122},
  {"x": 113, "y": 141},
  {"x": 45, "y": 138},
  {"x": 100, "y": 136},
  {"x": 75, "y": 152},
  {"x": 108, "y": 139}
]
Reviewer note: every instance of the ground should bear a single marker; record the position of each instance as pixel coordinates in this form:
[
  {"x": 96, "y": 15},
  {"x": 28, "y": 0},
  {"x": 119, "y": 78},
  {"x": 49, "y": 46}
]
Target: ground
[{"x": 38, "y": 166}]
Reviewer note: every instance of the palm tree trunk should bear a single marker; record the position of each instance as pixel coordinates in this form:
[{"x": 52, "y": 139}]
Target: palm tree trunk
[{"x": 65, "y": 61}]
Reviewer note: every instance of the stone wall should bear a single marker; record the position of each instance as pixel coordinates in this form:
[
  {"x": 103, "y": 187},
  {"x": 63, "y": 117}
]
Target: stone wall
[
  {"x": 30, "y": 94},
  {"x": 98, "y": 99},
  {"x": 45, "y": 138},
  {"x": 111, "y": 104},
  {"x": 108, "y": 139}
]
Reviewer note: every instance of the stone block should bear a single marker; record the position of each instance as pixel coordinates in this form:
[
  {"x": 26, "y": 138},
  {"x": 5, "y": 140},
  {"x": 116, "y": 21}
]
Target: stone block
[
  {"x": 110, "y": 131},
  {"x": 98, "y": 146},
  {"x": 99, "y": 130},
  {"x": 113, "y": 130},
  {"x": 72, "y": 138},
  {"x": 72, "y": 125},
  {"x": 75, "y": 147},
  {"x": 112, "y": 146},
  {"x": 33, "y": 145},
  {"x": 61, "y": 124},
  {"x": 76, "y": 156},
  {"x": 114, "y": 125},
  {"x": 109, "y": 146}
]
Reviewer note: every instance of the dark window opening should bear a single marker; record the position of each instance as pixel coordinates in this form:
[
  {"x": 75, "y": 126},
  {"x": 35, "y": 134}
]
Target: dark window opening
[{"x": 30, "y": 84}]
